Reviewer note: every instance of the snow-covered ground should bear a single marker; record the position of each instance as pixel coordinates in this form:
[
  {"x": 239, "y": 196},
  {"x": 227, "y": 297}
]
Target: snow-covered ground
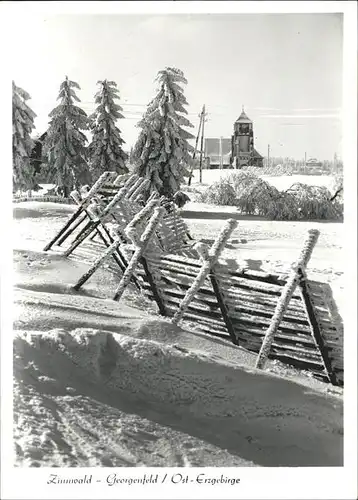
[{"x": 100, "y": 383}]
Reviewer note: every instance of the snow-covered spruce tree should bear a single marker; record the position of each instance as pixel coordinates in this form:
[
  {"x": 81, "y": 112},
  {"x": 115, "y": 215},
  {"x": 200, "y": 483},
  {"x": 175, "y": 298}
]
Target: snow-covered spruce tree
[
  {"x": 162, "y": 152},
  {"x": 22, "y": 143},
  {"x": 65, "y": 143},
  {"x": 105, "y": 150}
]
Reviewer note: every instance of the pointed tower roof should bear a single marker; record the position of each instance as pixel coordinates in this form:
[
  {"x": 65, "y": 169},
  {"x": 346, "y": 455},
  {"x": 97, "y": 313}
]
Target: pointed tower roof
[{"x": 243, "y": 118}]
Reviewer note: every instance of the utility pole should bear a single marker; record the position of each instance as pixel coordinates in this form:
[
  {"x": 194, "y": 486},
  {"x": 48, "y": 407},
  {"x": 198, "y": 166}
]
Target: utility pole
[
  {"x": 202, "y": 145},
  {"x": 196, "y": 146},
  {"x": 221, "y": 152},
  {"x": 305, "y": 162},
  {"x": 268, "y": 156}
]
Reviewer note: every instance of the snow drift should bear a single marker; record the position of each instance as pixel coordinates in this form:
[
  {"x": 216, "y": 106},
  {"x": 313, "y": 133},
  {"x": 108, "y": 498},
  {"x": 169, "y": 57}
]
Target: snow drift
[{"x": 261, "y": 418}]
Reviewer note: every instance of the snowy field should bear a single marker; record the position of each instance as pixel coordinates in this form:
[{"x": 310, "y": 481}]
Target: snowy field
[{"x": 100, "y": 383}]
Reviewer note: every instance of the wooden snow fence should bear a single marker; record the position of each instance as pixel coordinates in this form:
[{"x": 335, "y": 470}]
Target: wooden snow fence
[
  {"x": 280, "y": 317},
  {"x": 115, "y": 199},
  {"x": 240, "y": 305}
]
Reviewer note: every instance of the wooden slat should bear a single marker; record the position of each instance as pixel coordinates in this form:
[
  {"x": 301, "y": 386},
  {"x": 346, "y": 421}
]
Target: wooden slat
[
  {"x": 221, "y": 269},
  {"x": 249, "y": 327},
  {"x": 182, "y": 280},
  {"x": 298, "y": 362},
  {"x": 266, "y": 310},
  {"x": 292, "y": 354},
  {"x": 246, "y": 315},
  {"x": 255, "y": 335},
  {"x": 186, "y": 266},
  {"x": 325, "y": 353},
  {"x": 251, "y": 275},
  {"x": 155, "y": 291},
  {"x": 199, "y": 315},
  {"x": 281, "y": 348}
]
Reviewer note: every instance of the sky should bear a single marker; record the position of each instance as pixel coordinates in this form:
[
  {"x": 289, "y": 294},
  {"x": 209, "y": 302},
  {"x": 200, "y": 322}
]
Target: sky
[{"x": 285, "y": 69}]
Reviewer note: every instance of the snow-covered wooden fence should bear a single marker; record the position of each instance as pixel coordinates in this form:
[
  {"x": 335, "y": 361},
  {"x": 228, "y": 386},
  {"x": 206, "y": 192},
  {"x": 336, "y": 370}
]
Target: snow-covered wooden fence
[
  {"x": 288, "y": 318},
  {"x": 239, "y": 305},
  {"x": 116, "y": 199}
]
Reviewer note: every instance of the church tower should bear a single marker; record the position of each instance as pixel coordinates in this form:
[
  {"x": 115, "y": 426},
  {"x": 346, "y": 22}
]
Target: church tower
[{"x": 242, "y": 142}]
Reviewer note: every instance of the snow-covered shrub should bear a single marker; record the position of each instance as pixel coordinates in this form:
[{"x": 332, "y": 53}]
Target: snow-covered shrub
[
  {"x": 283, "y": 206},
  {"x": 256, "y": 196},
  {"x": 219, "y": 193},
  {"x": 253, "y": 196},
  {"x": 240, "y": 180},
  {"x": 314, "y": 202}
]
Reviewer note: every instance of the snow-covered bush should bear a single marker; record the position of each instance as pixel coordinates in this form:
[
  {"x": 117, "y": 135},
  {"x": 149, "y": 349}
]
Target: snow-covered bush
[
  {"x": 283, "y": 206},
  {"x": 314, "y": 202},
  {"x": 256, "y": 196},
  {"x": 219, "y": 193}
]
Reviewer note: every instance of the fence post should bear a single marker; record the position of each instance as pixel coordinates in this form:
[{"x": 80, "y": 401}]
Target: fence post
[
  {"x": 96, "y": 216},
  {"x": 286, "y": 296},
  {"x": 138, "y": 183},
  {"x": 96, "y": 186},
  {"x": 314, "y": 327},
  {"x": 142, "y": 187},
  {"x": 223, "y": 308},
  {"x": 208, "y": 258},
  {"x": 99, "y": 261},
  {"x": 140, "y": 243}
]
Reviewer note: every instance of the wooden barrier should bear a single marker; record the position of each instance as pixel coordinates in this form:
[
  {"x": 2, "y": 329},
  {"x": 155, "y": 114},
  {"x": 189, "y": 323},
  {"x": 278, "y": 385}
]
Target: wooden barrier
[
  {"x": 297, "y": 272},
  {"x": 289, "y": 318},
  {"x": 103, "y": 205},
  {"x": 239, "y": 304}
]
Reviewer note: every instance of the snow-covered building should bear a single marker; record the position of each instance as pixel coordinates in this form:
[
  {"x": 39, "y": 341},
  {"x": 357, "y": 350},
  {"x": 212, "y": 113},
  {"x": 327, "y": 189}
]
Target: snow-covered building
[
  {"x": 313, "y": 162},
  {"x": 243, "y": 152},
  {"x": 217, "y": 152},
  {"x": 235, "y": 152}
]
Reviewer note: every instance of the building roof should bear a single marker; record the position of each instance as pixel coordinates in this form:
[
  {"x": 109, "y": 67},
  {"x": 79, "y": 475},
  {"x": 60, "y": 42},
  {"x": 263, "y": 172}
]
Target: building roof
[
  {"x": 243, "y": 118},
  {"x": 40, "y": 137},
  {"x": 256, "y": 154},
  {"x": 212, "y": 146},
  {"x": 312, "y": 161},
  {"x": 215, "y": 159}
]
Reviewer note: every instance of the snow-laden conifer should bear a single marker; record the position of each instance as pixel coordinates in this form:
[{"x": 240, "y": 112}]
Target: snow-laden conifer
[
  {"x": 162, "y": 151},
  {"x": 105, "y": 150},
  {"x": 22, "y": 143},
  {"x": 65, "y": 144}
]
